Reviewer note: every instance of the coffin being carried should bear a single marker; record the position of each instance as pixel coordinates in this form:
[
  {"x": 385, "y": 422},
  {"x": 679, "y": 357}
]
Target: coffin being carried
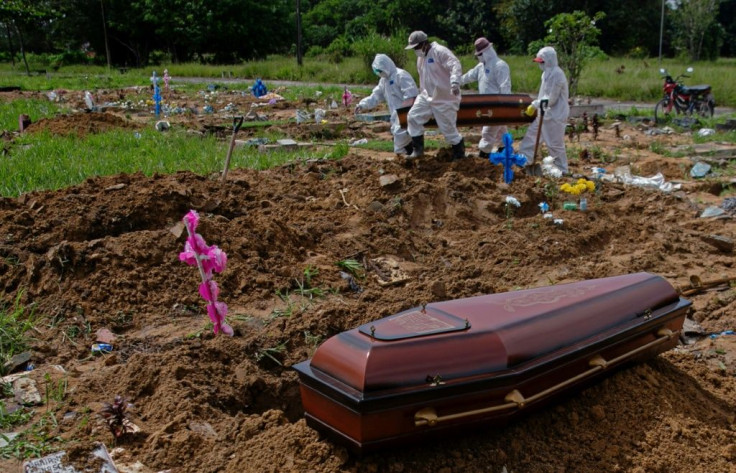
[
  {"x": 483, "y": 109},
  {"x": 453, "y": 364}
]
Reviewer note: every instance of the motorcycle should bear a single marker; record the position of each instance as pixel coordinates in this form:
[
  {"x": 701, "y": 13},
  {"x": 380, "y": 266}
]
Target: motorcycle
[{"x": 681, "y": 99}]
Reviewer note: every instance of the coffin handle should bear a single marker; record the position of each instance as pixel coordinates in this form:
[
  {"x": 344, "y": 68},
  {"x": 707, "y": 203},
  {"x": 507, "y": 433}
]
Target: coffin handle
[{"x": 428, "y": 416}]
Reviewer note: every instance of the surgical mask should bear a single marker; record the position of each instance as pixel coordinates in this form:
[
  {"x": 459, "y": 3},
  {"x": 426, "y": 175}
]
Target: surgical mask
[{"x": 377, "y": 72}]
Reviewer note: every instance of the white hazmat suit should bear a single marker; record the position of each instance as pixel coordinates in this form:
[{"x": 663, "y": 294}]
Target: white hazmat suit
[
  {"x": 438, "y": 70},
  {"x": 494, "y": 77},
  {"x": 394, "y": 86},
  {"x": 554, "y": 90}
]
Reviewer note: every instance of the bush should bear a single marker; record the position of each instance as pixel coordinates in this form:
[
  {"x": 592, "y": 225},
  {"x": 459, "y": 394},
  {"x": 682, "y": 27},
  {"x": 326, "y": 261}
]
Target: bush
[{"x": 367, "y": 47}]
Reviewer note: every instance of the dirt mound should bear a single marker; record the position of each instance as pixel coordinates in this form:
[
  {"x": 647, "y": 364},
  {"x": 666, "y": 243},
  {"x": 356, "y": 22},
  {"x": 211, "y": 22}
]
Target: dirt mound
[
  {"x": 104, "y": 254},
  {"x": 81, "y": 124}
]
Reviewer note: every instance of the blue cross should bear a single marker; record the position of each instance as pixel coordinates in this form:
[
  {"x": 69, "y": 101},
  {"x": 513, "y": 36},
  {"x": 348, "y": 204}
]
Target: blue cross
[{"x": 507, "y": 158}]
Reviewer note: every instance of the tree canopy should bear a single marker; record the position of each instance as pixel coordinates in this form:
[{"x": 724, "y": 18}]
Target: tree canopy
[{"x": 141, "y": 32}]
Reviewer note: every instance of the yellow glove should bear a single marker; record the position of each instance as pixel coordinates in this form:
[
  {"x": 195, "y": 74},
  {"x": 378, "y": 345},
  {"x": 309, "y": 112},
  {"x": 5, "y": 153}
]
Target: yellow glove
[{"x": 530, "y": 111}]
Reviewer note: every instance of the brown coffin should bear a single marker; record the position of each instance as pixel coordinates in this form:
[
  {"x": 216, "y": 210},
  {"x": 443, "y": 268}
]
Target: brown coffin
[
  {"x": 483, "y": 109},
  {"x": 482, "y": 360}
]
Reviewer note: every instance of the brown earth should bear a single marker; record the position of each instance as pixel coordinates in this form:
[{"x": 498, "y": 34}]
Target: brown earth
[{"x": 104, "y": 254}]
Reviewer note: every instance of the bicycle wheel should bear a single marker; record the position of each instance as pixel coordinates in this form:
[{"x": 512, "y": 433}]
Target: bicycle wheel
[{"x": 662, "y": 111}]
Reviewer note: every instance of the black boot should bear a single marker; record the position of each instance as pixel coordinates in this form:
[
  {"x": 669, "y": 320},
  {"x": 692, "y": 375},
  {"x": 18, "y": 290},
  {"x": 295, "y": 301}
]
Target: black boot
[
  {"x": 458, "y": 150},
  {"x": 409, "y": 149},
  {"x": 483, "y": 154},
  {"x": 417, "y": 142}
]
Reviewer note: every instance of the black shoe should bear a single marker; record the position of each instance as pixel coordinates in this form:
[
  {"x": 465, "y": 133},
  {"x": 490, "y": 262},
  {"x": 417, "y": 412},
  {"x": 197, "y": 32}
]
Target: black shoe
[
  {"x": 418, "y": 143},
  {"x": 458, "y": 150},
  {"x": 409, "y": 149},
  {"x": 483, "y": 154}
]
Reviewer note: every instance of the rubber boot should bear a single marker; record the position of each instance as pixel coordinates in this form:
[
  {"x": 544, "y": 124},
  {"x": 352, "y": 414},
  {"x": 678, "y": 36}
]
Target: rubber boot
[
  {"x": 409, "y": 149},
  {"x": 458, "y": 150},
  {"x": 483, "y": 154},
  {"x": 417, "y": 142}
]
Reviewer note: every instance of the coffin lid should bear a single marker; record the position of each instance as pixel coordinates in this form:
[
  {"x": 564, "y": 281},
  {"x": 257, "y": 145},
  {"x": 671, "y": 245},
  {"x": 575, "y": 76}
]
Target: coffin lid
[{"x": 460, "y": 338}]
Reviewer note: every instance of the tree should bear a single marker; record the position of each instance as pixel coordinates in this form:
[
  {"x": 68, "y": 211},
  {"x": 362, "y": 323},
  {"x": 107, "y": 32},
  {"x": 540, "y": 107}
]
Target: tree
[
  {"x": 18, "y": 15},
  {"x": 692, "y": 19},
  {"x": 575, "y": 38}
]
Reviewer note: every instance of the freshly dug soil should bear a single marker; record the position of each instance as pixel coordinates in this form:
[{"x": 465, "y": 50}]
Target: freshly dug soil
[{"x": 104, "y": 254}]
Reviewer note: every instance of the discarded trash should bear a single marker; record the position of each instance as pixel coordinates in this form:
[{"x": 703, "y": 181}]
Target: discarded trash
[
  {"x": 558, "y": 221},
  {"x": 544, "y": 207},
  {"x": 729, "y": 204},
  {"x": 549, "y": 168},
  {"x": 256, "y": 141},
  {"x": 700, "y": 169},
  {"x": 52, "y": 96},
  {"x": 351, "y": 282},
  {"x": 55, "y": 463},
  {"x": 727, "y": 332},
  {"x": 319, "y": 115},
  {"x": 208, "y": 109},
  {"x": 137, "y": 135},
  {"x": 101, "y": 348},
  {"x": 361, "y": 141},
  {"x": 623, "y": 175},
  {"x": 706, "y": 132},
  {"x": 548, "y": 215},
  {"x": 513, "y": 201},
  {"x": 597, "y": 172},
  {"x": 712, "y": 211},
  {"x": 302, "y": 116},
  {"x": 583, "y": 204},
  {"x": 162, "y": 125},
  {"x": 88, "y": 100},
  {"x": 569, "y": 206}
]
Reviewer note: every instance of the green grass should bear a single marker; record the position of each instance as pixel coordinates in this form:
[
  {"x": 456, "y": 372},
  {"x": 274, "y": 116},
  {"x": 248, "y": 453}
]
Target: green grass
[
  {"x": 639, "y": 81},
  {"x": 34, "y": 442},
  {"x": 16, "y": 322},
  {"x": 49, "y": 162},
  {"x": 34, "y": 108}
]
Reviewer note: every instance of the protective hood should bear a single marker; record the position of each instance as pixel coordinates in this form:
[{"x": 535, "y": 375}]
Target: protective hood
[
  {"x": 549, "y": 56},
  {"x": 488, "y": 55},
  {"x": 385, "y": 64}
]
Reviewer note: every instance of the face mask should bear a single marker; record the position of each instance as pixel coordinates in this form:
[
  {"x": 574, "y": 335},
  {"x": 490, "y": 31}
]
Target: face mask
[
  {"x": 377, "y": 72},
  {"x": 419, "y": 52}
]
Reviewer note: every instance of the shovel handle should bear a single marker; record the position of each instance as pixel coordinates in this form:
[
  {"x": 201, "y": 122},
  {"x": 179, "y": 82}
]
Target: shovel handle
[{"x": 237, "y": 123}]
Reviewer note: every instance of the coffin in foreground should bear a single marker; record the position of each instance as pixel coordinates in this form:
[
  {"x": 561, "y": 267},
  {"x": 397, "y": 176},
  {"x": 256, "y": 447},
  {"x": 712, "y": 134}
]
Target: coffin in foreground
[
  {"x": 482, "y": 360},
  {"x": 482, "y": 110}
]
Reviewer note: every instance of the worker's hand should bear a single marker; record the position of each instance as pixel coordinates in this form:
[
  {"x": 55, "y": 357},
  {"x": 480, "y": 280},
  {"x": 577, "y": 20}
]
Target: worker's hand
[
  {"x": 544, "y": 103},
  {"x": 358, "y": 109},
  {"x": 530, "y": 110},
  {"x": 455, "y": 88}
]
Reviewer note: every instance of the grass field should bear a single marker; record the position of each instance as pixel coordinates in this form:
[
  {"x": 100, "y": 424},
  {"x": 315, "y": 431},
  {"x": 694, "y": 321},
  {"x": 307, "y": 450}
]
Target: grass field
[{"x": 621, "y": 79}]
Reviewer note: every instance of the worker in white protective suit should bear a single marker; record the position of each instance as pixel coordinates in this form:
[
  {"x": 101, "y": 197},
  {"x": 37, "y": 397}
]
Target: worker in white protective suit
[
  {"x": 394, "y": 86},
  {"x": 553, "y": 95},
  {"x": 493, "y": 77},
  {"x": 439, "y": 94}
]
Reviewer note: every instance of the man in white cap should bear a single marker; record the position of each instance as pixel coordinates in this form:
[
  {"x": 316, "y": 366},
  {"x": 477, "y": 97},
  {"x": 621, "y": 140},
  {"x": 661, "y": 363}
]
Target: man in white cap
[
  {"x": 439, "y": 94},
  {"x": 494, "y": 77},
  {"x": 553, "y": 96},
  {"x": 394, "y": 86}
]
